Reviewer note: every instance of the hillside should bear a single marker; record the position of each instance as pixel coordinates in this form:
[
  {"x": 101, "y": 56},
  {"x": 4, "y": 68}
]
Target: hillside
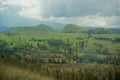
[
  {"x": 38, "y": 28},
  {"x": 60, "y": 56},
  {"x": 105, "y": 31},
  {"x": 71, "y": 28}
]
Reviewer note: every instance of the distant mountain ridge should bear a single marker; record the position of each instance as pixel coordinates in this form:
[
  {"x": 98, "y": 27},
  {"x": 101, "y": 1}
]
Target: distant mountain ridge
[
  {"x": 71, "y": 28},
  {"x": 4, "y": 29},
  {"x": 38, "y": 28},
  {"x": 105, "y": 31}
]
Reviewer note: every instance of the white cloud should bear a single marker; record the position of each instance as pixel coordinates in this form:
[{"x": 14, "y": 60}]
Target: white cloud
[
  {"x": 22, "y": 3},
  {"x": 3, "y": 8},
  {"x": 95, "y": 21},
  {"x": 31, "y": 12},
  {"x": 2, "y": 5},
  {"x": 29, "y": 8}
]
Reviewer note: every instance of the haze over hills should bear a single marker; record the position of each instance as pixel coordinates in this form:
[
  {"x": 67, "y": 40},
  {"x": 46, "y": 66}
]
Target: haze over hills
[{"x": 4, "y": 29}]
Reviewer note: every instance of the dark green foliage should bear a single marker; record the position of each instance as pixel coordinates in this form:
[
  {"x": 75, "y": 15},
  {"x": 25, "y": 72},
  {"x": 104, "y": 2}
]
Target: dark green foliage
[
  {"x": 117, "y": 39},
  {"x": 3, "y": 45},
  {"x": 103, "y": 38}
]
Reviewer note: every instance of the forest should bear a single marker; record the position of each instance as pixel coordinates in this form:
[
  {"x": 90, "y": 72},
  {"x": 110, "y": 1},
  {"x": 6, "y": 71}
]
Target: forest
[{"x": 72, "y": 53}]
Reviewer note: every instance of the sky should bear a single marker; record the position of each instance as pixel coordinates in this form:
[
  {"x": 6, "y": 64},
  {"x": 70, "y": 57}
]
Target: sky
[{"x": 94, "y": 13}]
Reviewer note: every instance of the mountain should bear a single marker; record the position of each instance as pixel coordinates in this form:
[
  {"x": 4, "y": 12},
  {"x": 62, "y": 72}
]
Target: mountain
[
  {"x": 38, "y": 28},
  {"x": 71, "y": 28},
  {"x": 4, "y": 29}
]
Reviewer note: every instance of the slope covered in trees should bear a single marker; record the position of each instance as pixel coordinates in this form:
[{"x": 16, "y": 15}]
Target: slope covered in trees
[
  {"x": 104, "y": 31},
  {"x": 38, "y": 28},
  {"x": 71, "y": 28}
]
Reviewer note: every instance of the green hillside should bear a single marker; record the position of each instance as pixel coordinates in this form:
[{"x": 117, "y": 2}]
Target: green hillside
[
  {"x": 71, "y": 28},
  {"x": 59, "y": 56},
  {"x": 105, "y": 31},
  {"x": 38, "y": 28}
]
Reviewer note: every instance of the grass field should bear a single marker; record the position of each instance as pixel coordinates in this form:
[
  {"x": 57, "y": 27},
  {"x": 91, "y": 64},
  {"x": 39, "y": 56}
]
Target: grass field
[
  {"x": 59, "y": 56},
  {"x": 8, "y": 72}
]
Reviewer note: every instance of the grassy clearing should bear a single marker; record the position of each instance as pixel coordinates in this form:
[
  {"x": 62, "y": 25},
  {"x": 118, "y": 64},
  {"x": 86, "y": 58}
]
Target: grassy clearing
[{"x": 14, "y": 73}]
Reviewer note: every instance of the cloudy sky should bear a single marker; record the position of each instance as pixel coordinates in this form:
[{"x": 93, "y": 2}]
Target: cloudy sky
[{"x": 96, "y": 13}]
